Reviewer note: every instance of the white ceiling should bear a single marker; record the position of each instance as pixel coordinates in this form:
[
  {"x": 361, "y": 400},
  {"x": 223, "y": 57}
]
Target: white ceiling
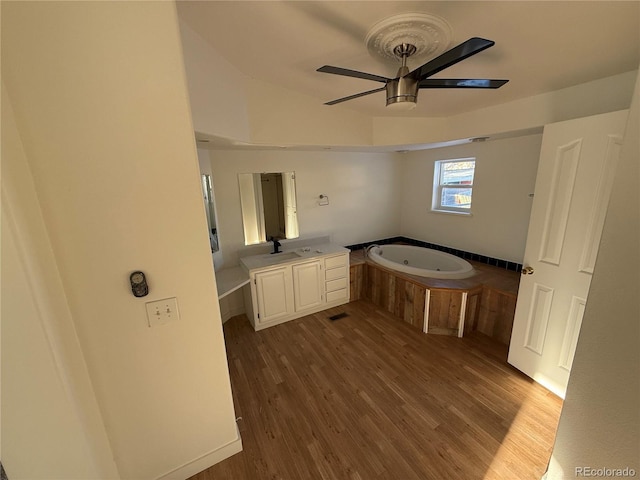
[{"x": 540, "y": 46}]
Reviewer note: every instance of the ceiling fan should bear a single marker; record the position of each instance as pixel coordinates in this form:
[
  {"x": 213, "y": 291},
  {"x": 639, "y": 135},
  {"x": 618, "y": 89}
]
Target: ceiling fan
[{"x": 402, "y": 91}]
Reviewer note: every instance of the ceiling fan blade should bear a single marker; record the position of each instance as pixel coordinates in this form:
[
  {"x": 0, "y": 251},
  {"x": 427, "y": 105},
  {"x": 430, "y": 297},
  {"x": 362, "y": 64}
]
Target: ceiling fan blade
[
  {"x": 352, "y": 73},
  {"x": 460, "y": 83},
  {"x": 351, "y": 97},
  {"x": 450, "y": 57}
]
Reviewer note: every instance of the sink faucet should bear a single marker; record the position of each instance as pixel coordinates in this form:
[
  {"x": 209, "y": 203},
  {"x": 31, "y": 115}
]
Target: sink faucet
[{"x": 276, "y": 245}]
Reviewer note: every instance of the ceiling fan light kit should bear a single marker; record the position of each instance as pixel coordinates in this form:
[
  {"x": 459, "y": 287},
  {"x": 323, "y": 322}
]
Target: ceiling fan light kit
[
  {"x": 401, "y": 38},
  {"x": 402, "y": 91}
]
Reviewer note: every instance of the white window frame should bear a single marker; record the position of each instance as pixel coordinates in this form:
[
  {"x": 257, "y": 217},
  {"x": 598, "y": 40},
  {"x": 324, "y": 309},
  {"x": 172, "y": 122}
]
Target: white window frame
[{"x": 436, "y": 205}]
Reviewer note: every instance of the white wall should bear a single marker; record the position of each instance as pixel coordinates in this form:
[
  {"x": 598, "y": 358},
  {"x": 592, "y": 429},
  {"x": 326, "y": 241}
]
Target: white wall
[
  {"x": 363, "y": 192},
  {"x": 600, "y": 421},
  {"x": 51, "y": 424},
  {"x": 599, "y": 96},
  {"x": 227, "y": 103},
  {"x": 101, "y": 105},
  {"x": 283, "y": 117},
  {"x": 218, "y": 91},
  {"x": 505, "y": 175}
]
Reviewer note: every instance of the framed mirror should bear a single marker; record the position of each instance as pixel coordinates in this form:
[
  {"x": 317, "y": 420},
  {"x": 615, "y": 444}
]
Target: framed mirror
[
  {"x": 207, "y": 193},
  {"x": 269, "y": 209}
]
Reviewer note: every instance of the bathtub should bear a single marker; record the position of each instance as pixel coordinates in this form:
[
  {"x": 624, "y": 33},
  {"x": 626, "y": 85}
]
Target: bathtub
[{"x": 424, "y": 262}]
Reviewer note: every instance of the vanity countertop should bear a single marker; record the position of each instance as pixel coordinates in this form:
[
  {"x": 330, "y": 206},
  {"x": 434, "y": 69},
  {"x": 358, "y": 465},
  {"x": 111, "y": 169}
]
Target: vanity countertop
[
  {"x": 253, "y": 262},
  {"x": 229, "y": 280}
]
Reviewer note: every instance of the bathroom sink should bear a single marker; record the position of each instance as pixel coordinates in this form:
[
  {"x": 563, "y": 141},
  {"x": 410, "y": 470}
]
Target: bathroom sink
[
  {"x": 268, "y": 259},
  {"x": 281, "y": 257}
]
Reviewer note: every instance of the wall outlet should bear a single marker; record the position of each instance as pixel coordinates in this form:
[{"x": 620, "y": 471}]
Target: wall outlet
[{"x": 163, "y": 311}]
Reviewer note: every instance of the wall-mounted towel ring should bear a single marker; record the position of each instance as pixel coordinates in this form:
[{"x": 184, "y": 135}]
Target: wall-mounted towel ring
[{"x": 324, "y": 200}]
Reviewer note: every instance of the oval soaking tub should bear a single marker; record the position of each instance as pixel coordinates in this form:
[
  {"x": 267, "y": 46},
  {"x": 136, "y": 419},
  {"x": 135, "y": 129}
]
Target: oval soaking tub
[{"x": 424, "y": 262}]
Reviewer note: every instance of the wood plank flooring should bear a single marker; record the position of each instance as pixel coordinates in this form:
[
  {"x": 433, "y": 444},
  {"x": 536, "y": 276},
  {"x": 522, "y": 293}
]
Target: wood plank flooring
[{"x": 369, "y": 397}]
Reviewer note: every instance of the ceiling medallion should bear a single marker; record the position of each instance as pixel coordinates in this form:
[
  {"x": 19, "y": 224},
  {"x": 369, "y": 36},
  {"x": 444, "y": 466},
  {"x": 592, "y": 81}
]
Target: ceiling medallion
[{"x": 430, "y": 35}]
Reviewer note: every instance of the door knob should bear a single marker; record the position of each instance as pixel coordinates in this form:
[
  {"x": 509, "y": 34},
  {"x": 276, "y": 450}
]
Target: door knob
[{"x": 527, "y": 271}]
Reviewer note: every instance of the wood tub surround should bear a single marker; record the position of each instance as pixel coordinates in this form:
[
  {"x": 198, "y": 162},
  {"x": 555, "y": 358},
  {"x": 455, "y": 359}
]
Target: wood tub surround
[
  {"x": 486, "y": 300},
  {"x": 356, "y": 278}
]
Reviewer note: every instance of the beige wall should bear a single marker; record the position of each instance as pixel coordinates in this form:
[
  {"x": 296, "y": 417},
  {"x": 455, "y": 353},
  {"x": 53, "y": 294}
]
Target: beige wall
[
  {"x": 600, "y": 96},
  {"x": 217, "y": 89},
  {"x": 51, "y": 424},
  {"x": 600, "y": 421},
  {"x": 505, "y": 176},
  {"x": 101, "y": 107},
  {"x": 282, "y": 117}
]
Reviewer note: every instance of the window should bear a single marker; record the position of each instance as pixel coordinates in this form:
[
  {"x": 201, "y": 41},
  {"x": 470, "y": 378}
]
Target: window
[{"x": 453, "y": 185}]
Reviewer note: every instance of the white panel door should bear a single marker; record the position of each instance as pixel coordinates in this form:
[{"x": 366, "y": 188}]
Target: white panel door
[
  {"x": 308, "y": 285},
  {"x": 573, "y": 185},
  {"x": 274, "y": 294}
]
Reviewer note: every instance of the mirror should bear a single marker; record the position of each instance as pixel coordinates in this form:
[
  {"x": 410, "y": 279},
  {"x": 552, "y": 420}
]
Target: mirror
[
  {"x": 268, "y": 202},
  {"x": 207, "y": 193}
]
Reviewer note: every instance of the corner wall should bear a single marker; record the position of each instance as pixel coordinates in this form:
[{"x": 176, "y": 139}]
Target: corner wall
[{"x": 101, "y": 105}]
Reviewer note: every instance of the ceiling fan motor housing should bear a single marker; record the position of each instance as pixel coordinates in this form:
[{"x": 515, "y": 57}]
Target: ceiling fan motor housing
[{"x": 403, "y": 88}]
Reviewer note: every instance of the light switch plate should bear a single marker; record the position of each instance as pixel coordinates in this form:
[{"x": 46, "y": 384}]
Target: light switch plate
[{"x": 163, "y": 311}]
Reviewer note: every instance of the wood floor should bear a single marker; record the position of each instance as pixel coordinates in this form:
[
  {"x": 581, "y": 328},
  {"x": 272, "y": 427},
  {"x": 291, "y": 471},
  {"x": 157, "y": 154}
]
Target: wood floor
[{"x": 369, "y": 397}]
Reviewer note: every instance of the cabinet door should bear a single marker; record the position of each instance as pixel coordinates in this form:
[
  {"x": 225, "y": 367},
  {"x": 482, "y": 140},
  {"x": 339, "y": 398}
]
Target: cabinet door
[
  {"x": 308, "y": 285},
  {"x": 274, "y": 294}
]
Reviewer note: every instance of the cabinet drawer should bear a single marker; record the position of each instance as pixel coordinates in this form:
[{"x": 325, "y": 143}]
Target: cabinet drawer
[
  {"x": 336, "y": 284},
  {"x": 337, "y": 261},
  {"x": 332, "y": 273},
  {"x": 341, "y": 294}
]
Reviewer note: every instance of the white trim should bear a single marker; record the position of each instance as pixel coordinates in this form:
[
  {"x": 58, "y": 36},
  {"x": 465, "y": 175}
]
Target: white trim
[
  {"x": 427, "y": 300},
  {"x": 205, "y": 461},
  {"x": 436, "y": 199},
  {"x": 453, "y": 212},
  {"x": 558, "y": 207},
  {"x": 571, "y": 332},
  {"x": 600, "y": 204},
  {"x": 463, "y": 312}
]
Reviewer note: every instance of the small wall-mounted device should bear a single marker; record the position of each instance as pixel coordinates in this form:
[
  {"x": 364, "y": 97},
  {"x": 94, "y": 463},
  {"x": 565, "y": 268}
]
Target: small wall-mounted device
[
  {"x": 139, "y": 286},
  {"x": 323, "y": 199}
]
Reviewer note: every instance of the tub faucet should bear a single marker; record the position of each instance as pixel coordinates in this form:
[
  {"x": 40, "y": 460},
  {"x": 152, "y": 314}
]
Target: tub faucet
[
  {"x": 369, "y": 248},
  {"x": 276, "y": 245}
]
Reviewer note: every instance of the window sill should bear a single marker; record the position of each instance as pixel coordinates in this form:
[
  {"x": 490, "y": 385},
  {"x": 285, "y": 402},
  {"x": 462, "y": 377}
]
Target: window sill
[{"x": 451, "y": 212}]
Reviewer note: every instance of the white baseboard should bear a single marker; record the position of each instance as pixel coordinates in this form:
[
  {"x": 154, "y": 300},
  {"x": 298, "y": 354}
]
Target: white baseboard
[
  {"x": 232, "y": 313},
  {"x": 205, "y": 461}
]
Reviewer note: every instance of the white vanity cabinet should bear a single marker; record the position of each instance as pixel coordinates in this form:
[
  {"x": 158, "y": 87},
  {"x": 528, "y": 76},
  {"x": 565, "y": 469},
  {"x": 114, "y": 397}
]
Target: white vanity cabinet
[
  {"x": 312, "y": 281},
  {"x": 274, "y": 294},
  {"x": 336, "y": 274},
  {"x": 308, "y": 291}
]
